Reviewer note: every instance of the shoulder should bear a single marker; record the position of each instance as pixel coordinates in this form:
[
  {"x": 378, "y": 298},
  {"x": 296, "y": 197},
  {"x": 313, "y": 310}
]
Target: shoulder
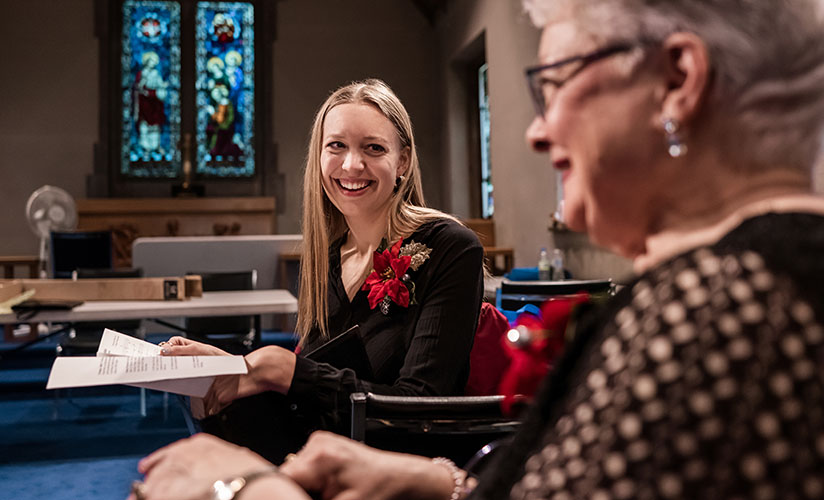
[{"x": 447, "y": 232}]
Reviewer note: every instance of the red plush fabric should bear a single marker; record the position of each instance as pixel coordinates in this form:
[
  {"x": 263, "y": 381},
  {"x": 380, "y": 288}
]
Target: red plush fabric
[
  {"x": 532, "y": 360},
  {"x": 487, "y": 360}
]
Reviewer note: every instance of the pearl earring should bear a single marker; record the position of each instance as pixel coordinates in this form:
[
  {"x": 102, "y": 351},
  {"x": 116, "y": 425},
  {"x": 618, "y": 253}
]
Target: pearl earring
[{"x": 676, "y": 147}]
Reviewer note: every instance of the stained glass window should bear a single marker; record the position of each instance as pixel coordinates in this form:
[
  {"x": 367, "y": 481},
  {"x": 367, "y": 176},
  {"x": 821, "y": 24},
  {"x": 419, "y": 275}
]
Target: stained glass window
[
  {"x": 225, "y": 99},
  {"x": 150, "y": 89},
  {"x": 487, "y": 205}
]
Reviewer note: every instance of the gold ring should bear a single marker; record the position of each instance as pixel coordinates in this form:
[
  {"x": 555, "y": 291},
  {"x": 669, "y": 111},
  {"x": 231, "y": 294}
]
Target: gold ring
[
  {"x": 161, "y": 344},
  {"x": 289, "y": 458},
  {"x": 139, "y": 490}
]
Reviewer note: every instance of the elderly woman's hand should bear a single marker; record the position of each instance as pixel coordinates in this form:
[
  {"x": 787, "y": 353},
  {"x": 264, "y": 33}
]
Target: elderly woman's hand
[
  {"x": 337, "y": 467},
  {"x": 270, "y": 369},
  {"x": 187, "y": 469}
]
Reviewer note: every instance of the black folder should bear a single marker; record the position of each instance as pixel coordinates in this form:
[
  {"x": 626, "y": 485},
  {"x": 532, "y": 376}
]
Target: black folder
[{"x": 345, "y": 351}]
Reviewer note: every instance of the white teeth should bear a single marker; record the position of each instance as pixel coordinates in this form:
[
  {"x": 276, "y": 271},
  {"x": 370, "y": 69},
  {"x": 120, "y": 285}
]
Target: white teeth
[{"x": 353, "y": 185}]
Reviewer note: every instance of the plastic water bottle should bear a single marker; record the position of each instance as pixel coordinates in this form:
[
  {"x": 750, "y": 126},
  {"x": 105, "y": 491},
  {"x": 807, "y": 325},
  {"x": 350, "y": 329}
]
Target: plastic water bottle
[
  {"x": 544, "y": 266},
  {"x": 557, "y": 265}
]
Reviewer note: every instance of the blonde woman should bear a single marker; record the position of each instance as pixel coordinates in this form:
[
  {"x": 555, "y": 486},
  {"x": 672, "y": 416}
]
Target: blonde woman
[{"x": 374, "y": 256}]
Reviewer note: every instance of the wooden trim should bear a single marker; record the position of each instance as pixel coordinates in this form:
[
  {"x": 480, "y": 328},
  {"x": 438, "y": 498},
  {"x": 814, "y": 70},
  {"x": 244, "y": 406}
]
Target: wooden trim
[
  {"x": 132, "y": 206},
  {"x": 169, "y": 288}
]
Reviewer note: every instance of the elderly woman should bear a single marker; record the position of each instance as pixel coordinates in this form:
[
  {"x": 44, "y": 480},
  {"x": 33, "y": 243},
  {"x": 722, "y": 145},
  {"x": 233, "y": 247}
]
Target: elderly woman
[{"x": 685, "y": 132}]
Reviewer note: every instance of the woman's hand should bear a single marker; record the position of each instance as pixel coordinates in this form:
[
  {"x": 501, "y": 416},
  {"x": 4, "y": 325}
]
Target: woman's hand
[
  {"x": 180, "y": 346},
  {"x": 271, "y": 368},
  {"x": 186, "y": 470},
  {"x": 337, "y": 467}
]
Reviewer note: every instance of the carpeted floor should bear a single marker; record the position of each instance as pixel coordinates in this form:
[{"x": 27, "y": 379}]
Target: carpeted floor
[
  {"x": 78, "y": 444},
  {"x": 82, "y": 445}
]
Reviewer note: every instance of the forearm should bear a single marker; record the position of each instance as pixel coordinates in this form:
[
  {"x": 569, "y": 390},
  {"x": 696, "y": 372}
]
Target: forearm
[
  {"x": 270, "y": 368},
  {"x": 272, "y": 486}
]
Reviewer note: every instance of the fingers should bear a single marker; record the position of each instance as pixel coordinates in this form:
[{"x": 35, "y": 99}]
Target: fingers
[
  {"x": 193, "y": 349},
  {"x": 314, "y": 467},
  {"x": 147, "y": 463}
]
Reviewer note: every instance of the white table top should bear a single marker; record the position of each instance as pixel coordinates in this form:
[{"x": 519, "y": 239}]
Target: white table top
[{"x": 237, "y": 303}]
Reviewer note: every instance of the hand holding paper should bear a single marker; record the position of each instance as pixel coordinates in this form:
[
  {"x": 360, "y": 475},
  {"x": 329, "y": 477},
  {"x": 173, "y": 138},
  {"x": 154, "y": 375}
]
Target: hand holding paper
[{"x": 122, "y": 359}]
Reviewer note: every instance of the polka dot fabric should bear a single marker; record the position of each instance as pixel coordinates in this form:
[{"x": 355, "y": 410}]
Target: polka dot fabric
[{"x": 707, "y": 383}]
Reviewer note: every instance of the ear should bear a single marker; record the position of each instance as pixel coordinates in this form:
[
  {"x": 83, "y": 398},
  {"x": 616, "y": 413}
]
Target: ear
[
  {"x": 405, "y": 160},
  {"x": 687, "y": 72}
]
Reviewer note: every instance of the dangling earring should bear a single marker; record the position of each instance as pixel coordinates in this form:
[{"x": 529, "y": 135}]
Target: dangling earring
[
  {"x": 398, "y": 182},
  {"x": 676, "y": 147}
]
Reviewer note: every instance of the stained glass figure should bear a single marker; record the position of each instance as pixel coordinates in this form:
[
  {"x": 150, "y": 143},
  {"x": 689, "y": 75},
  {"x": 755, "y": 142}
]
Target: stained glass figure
[
  {"x": 225, "y": 62},
  {"x": 150, "y": 87}
]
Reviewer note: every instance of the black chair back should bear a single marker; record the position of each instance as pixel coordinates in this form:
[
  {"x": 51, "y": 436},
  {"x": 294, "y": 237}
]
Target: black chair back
[
  {"x": 235, "y": 334},
  {"x": 74, "y": 250}
]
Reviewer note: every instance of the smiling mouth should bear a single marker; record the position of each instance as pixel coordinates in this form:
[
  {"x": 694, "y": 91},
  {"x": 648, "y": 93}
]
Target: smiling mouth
[{"x": 353, "y": 186}]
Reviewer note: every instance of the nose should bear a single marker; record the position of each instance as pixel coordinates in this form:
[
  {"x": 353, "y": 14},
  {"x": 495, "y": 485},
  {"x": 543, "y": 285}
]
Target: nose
[
  {"x": 537, "y": 136},
  {"x": 352, "y": 162}
]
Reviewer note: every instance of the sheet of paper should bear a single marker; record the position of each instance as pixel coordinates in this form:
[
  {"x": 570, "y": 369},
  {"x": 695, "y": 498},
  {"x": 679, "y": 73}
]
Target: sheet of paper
[
  {"x": 117, "y": 344},
  {"x": 122, "y": 359},
  {"x": 196, "y": 387}
]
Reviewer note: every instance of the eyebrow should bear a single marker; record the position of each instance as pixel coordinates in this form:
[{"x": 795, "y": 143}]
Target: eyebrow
[{"x": 367, "y": 138}]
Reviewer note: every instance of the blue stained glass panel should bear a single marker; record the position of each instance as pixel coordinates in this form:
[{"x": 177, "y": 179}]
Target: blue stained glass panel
[
  {"x": 225, "y": 101},
  {"x": 150, "y": 89},
  {"x": 487, "y": 201}
]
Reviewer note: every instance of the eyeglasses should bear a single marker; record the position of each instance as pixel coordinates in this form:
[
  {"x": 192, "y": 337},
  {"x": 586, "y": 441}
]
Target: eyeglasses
[{"x": 542, "y": 83}]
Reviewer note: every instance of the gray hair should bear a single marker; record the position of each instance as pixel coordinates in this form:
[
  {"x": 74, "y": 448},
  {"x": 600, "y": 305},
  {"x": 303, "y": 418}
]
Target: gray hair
[{"x": 767, "y": 59}]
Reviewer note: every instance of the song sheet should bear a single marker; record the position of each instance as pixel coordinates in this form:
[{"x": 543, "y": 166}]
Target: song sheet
[{"x": 122, "y": 359}]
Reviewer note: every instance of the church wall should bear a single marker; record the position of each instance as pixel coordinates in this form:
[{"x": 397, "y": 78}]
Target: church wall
[{"x": 49, "y": 92}]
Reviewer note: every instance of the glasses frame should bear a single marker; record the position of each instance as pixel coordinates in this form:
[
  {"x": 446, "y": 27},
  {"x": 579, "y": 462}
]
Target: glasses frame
[{"x": 535, "y": 86}]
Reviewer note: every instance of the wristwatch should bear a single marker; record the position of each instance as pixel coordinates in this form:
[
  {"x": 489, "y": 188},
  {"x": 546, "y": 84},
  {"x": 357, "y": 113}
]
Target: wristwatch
[{"x": 228, "y": 489}]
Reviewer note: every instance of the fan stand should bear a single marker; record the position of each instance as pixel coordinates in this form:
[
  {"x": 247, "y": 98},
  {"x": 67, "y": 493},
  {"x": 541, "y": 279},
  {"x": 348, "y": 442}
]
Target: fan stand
[{"x": 43, "y": 266}]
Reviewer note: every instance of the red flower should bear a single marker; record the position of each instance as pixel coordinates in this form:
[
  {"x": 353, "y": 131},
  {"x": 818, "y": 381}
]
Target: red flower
[{"x": 385, "y": 278}]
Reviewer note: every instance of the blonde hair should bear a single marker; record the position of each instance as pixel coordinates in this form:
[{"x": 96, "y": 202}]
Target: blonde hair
[{"x": 322, "y": 221}]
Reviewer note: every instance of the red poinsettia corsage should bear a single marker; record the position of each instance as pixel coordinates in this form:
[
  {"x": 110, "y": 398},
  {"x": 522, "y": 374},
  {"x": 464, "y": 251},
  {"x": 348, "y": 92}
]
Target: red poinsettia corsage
[
  {"x": 385, "y": 278},
  {"x": 388, "y": 281}
]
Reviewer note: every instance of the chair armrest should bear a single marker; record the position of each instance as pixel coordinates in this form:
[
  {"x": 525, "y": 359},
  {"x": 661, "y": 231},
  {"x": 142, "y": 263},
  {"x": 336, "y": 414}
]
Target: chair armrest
[
  {"x": 450, "y": 414},
  {"x": 431, "y": 406}
]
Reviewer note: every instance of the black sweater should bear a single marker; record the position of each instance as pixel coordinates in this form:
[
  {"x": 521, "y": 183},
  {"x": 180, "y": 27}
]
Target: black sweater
[{"x": 422, "y": 350}]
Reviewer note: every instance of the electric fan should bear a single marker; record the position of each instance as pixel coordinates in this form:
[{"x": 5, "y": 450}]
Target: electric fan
[{"x": 49, "y": 209}]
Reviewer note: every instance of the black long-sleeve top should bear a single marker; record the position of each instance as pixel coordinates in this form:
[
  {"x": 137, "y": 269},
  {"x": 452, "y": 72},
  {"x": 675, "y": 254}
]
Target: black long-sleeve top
[{"x": 422, "y": 350}]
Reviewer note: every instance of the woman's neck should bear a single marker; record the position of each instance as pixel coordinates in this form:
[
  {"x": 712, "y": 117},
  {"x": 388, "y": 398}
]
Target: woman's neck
[
  {"x": 365, "y": 235},
  {"x": 716, "y": 210}
]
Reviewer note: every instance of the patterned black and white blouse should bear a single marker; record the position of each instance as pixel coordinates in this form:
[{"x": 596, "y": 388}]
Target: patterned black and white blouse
[{"x": 704, "y": 378}]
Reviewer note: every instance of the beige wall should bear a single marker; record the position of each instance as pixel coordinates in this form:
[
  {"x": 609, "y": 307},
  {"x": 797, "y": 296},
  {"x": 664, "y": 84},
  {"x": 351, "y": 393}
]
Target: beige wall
[
  {"x": 49, "y": 99},
  {"x": 48, "y": 107},
  {"x": 524, "y": 184},
  {"x": 322, "y": 44}
]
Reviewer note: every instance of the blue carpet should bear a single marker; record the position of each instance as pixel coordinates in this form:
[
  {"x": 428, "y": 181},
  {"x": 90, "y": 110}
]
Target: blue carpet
[
  {"x": 70, "y": 479},
  {"x": 83, "y": 445},
  {"x": 78, "y": 444}
]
